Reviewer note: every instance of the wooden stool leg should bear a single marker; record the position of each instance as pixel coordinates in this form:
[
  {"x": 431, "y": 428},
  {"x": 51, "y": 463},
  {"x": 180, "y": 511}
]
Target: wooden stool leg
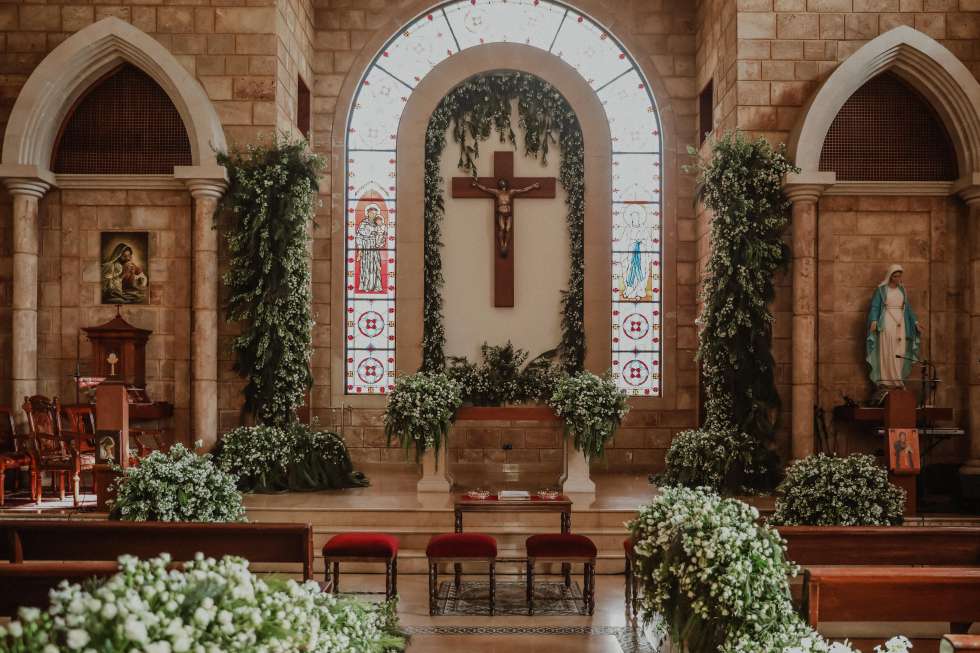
[
  {"x": 387, "y": 580},
  {"x": 590, "y": 583},
  {"x": 530, "y": 587},
  {"x": 457, "y": 576},
  {"x": 566, "y": 569},
  {"x": 629, "y": 587},
  {"x": 394, "y": 576},
  {"x": 326, "y": 575},
  {"x": 493, "y": 587},
  {"x": 336, "y": 577},
  {"x": 433, "y": 586}
]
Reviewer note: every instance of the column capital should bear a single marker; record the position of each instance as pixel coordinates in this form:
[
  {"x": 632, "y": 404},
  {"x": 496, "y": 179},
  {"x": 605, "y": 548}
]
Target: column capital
[
  {"x": 28, "y": 186},
  {"x": 205, "y": 188},
  {"x": 808, "y": 186},
  {"x": 970, "y": 195}
]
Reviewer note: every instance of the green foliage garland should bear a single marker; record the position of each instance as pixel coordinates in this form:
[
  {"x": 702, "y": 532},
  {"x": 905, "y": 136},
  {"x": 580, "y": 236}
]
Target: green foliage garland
[
  {"x": 271, "y": 197},
  {"x": 503, "y": 378},
  {"x": 742, "y": 185},
  {"x": 476, "y": 109}
]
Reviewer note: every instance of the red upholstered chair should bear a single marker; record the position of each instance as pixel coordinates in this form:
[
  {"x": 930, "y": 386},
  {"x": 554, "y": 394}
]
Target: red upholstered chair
[
  {"x": 631, "y": 580},
  {"x": 458, "y": 548},
  {"x": 565, "y": 548},
  {"x": 362, "y": 547}
]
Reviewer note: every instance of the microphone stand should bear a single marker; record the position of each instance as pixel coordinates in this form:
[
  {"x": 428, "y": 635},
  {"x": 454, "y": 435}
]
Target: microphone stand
[{"x": 927, "y": 392}]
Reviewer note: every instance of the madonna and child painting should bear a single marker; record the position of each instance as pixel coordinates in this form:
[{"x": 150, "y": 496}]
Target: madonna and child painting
[{"x": 125, "y": 258}]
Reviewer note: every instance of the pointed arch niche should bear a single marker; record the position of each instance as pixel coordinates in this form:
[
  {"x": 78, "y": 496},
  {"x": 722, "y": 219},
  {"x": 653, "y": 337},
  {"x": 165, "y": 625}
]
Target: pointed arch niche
[
  {"x": 41, "y": 109},
  {"x": 624, "y": 151},
  {"x": 953, "y": 94}
]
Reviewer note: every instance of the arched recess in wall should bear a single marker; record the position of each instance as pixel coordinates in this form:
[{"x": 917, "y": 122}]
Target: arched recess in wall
[
  {"x": 369, "y": 134},
  {"x": 71, "y": 69},
  {"x": 928, "y": 67}
]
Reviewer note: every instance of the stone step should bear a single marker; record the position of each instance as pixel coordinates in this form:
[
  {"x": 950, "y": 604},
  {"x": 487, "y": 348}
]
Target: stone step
[{"x": 378, "y": 520}]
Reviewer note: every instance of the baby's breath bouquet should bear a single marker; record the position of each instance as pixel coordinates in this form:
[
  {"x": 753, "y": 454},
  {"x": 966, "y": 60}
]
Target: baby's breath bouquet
[
  {"x": 209, "y": 605},
  {"x": 421, "y": 409},
  {"x": 177, "y": 486},
  {"x": 295, "y": 457},
  {"x": 718, "y": 578},
  {"x": 593, "y": 408},
  {"x": 832, "y": 491}
]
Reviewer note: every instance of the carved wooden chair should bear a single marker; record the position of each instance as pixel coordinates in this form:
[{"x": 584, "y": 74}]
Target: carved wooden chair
[
  {"x": 53, "y": 448},
  {"x": 141, "y": 441},
  {"x": 14, "y": 452}
]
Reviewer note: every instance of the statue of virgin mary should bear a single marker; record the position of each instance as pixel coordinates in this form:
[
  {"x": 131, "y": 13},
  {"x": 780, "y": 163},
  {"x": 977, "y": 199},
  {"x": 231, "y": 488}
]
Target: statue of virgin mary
[{"x": 893, "y": 332}]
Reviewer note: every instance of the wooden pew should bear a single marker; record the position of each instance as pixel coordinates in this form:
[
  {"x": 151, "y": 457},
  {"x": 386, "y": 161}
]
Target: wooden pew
[
  {"x": 893, "y": 594},
  {"x": 960, "y": 644},
  {"x": 90, "y": 540},
  {"x": 81, "y": 549},
  {"x": 936, "y": 546},
  {"x": 28, "y": 584}
]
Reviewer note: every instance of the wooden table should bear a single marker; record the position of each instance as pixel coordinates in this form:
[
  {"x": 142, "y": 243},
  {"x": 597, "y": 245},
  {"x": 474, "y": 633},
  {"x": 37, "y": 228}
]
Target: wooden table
[{"x": 561, "y": 504}]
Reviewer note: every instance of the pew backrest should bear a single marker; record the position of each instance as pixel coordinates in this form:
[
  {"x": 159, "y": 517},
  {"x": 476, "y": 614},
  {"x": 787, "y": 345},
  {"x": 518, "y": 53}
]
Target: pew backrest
[
  {"x": 89, "y": 540},
  {"x": 940, "y": 546},
  {"x": 901, "y": 594},
  {"x": 28, "y": 585},
  {"x": 960, "y": 644}
]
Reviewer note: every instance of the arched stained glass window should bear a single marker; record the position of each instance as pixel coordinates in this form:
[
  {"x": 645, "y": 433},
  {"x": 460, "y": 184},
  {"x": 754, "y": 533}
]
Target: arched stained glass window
[{"x": 371, "y": 201}]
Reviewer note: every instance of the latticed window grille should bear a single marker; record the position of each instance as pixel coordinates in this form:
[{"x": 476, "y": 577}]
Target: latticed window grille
[
  {"x": 887, "y": 131},
  {"x": 124, "y": 124}
]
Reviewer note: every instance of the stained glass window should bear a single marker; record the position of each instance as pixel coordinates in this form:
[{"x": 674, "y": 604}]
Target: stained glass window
[{"x": 634, "y": 123}]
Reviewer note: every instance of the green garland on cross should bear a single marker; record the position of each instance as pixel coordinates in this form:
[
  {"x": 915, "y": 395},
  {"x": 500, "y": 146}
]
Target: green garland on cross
[{"x": 476, "y": 109}]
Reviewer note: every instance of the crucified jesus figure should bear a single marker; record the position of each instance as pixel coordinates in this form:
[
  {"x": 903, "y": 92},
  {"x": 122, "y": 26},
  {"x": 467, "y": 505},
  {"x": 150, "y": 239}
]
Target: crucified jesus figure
[{"x": 504, "y": 209}]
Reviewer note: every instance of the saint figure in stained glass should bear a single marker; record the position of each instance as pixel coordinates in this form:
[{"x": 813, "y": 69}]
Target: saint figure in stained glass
[
  {"x": 369, "y": 241},
  {"x": 635, "y": 255}
]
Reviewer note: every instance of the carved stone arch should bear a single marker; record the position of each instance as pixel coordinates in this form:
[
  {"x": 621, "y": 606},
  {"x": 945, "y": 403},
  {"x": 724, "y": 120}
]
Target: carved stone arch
[
  {"x": 71, "y": 68},
  {"x": 919, "y": 60}
]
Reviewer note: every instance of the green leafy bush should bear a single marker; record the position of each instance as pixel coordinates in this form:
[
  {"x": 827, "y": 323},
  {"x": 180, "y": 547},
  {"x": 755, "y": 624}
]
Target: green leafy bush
[
  {"x": 833, "y": 491},
  {"x": 741, "y": 184},
  {"x": 206, "y": 606},
  {"x": 296, "y": 457},
  {"x": 271, "y": 199},
  {"x": 712, "y": 457},
  {"x": 503, "y": 377},
  {"x": 718, "y": 579},
  {"x": 592, "y": 407},
  {"x": 421, "y": 409},
  {"x": 177, "y": 486}
]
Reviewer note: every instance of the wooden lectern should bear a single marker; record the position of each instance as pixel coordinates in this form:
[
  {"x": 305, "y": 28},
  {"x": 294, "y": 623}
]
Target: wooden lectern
[
  {"x": 900, "y": 414},
  {"x": 111, "y": 431}
]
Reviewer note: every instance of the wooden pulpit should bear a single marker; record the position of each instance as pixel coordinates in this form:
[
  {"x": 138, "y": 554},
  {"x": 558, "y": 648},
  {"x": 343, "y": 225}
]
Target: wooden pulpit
[{"x": 900, "y": 413}]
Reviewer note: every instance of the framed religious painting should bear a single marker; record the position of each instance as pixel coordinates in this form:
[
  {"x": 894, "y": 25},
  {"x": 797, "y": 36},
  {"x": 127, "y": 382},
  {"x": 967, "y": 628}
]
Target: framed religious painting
[
  {"x": 125, "y": 258},
  {"x": 903, "y": 451}
]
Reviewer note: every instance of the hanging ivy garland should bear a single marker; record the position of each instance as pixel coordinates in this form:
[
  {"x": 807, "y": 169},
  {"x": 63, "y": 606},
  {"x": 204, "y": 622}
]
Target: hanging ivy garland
[{"x": 475, "y": 109}]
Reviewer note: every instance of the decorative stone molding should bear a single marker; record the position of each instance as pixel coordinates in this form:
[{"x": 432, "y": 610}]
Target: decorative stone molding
[
  {"x": 81, "y": 59},
  {"x": 921, "y": 61},
  {"x": 807, "y": 187},
  {"x": 29, "y": 186},
  {"x": 120, "y": 182},
  {"x": 968, "y": 189},
  {"x": 901, "y": 188}
]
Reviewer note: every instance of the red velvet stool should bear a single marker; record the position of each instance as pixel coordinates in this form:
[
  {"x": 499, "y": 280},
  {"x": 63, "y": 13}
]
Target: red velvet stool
[
  {"x": 362, "y": 547},
  {"x": 565, "y": 548},
  {"x": 458, "y": 548},
  {"x": 631, "y": 581}
]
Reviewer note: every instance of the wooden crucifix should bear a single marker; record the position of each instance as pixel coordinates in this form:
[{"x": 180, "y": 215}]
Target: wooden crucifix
[{"x": 503, "y": 188}]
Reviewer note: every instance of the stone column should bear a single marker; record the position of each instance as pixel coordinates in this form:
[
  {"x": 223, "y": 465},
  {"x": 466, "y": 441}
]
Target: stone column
[
  {"x": 804, "y": 198},
  {"x": 26, "y": 239},
  {"x": 971, "y": 467},
  {"x": 204, "y": 319}
]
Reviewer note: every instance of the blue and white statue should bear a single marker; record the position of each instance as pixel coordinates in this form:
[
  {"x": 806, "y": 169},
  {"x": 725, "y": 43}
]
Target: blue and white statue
[{"x": 893, "y": 333}]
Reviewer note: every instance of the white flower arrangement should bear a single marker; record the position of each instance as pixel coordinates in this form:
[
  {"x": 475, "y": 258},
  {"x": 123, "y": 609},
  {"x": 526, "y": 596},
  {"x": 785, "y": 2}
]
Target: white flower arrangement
[
  {"x": 719, "y": 579},
  {"x": 207, "y": 607},
  {"x": 592, "y": 407},
  {"x": 294, "y": 457},
  {"x": 838, "y": 491},
  {"x": 177, "y": 486},
  {"x": 421, "y": 409}
]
